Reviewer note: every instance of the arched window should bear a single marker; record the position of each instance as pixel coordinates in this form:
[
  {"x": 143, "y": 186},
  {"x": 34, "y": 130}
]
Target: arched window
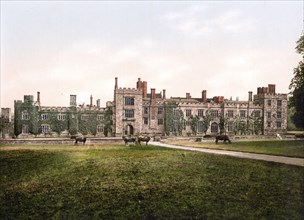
[{"x": 214, "y": 127}]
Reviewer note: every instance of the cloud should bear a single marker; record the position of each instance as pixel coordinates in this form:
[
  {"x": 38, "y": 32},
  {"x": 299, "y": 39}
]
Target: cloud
[{"x": 196, "y": 21}]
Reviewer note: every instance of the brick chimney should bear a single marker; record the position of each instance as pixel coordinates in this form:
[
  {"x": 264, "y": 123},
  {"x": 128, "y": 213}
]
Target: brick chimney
[
  {"x": 144, "y": 89},
  {"x": 116, "y": 83},
  {"x": 153, "y": 94},
  {"x": 220, "y": 99},
  {"x": 188, "y": 96},
  {"x": 265, "y": 90},
  {"x": 250, "y": 96},
  {"x": 139, "y": 84},
  {"x": 204, "y": 96},
  {"x": 98, "y": 103},
  {"x": 271, "y": 88},
  {"x": 38, "y": 98},
  {"x": 164, "y": 94}
]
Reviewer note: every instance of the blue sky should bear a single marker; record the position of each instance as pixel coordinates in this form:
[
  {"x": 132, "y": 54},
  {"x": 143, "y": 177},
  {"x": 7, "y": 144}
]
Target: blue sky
[{"x": 78, "y": 47}]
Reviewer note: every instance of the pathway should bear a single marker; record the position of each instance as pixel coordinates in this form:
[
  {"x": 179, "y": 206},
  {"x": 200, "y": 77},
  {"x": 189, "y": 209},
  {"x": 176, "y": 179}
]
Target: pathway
[{"x": 270, "y": 158}]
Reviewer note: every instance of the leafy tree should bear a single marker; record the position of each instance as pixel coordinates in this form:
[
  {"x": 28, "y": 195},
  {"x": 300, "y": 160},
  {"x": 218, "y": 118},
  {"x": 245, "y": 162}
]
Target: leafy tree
[
  {"x": 236, "y": 124},
  {"x": 223, "y": 124},
  {"x": 206, "y": 120},
  {"x": 194, "y": 122},
  {"x": 297, "y": 88}
]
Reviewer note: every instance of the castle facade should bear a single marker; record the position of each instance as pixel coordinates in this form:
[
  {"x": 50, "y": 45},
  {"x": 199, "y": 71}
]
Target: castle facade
[{"x": 134, "y": 111}]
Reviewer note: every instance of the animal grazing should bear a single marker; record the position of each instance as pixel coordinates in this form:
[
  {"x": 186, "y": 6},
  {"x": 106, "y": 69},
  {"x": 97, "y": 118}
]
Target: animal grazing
[
  {"x": 128, "y": 140},
  {"x": 144, "y": 139},
  {"x": 80, "y": 139},
  {"x": 136, "y": 140},
  {"x": 222, "y": 138}
]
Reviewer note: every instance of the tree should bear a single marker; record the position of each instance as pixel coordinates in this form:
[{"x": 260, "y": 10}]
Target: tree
[
  {"x": 223, "y": 124},
  {"x": 206, "y": 120},
  {"x": 194, "y": 122},
  {"x": 297, "y": 88}
]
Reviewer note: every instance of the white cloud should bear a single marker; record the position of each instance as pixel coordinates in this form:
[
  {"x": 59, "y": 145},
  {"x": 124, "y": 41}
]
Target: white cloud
[{"x": 196, "y": 21}]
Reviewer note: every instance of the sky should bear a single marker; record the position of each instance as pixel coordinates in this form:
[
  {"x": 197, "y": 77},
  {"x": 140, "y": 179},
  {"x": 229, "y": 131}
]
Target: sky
[{"x": 78, "y": 47}]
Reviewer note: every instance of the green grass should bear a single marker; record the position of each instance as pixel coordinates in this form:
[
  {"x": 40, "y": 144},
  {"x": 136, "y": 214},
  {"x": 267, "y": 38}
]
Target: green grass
[
  {"x": 118, "y": 182},
  {"x": 289, "y": 148}
]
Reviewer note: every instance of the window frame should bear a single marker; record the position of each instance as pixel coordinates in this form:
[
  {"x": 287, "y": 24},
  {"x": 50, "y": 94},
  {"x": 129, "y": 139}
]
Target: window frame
[
  {"x": 129, "y": 113},
  {"x": 129, "y": 101}
]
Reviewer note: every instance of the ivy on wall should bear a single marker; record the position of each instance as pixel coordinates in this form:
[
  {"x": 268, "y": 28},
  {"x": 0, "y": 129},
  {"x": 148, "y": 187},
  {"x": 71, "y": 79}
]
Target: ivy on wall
[
  {"x": 223, "y": 124},
  {"x": 194, "y": 122},
  {"x": 206, "y": 120},
  {"x": 5, "y": 126},
  {"x": 29, "y": 107},
  {"x": 174, "y": 118},
  {"x": 108, "y": 122},
  {"x": 169, "y": 117},
  {"x": 87, "y": 125}
]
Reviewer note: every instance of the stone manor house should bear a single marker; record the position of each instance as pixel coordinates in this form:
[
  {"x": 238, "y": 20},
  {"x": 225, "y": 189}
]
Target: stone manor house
[{"x": 134, "y": 111}]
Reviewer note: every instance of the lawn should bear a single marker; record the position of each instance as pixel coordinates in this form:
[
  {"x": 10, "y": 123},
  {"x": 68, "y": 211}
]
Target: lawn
[
  {"x": 289, "y": 148},
  {"x": 119, "y": 182}
]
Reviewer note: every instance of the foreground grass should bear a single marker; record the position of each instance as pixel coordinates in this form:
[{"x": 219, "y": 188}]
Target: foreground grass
[
  {"x": 289, "y": 148},
  {"x": 102, "y": 182}
]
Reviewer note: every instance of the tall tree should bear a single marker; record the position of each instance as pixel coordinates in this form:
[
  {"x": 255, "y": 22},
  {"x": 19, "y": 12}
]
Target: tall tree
[{"x": 297, "y": 88}]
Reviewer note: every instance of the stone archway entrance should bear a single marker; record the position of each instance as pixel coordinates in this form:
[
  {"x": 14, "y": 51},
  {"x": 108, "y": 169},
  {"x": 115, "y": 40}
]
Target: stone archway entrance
[{"x": 129, "y": 130}]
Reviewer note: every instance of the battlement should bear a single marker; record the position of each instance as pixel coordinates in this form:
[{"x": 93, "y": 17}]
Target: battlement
[{"x": 125, "y": 90}]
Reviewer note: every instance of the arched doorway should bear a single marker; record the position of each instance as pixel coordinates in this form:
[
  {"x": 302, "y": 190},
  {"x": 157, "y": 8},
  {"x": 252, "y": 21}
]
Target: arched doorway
[{"x": 129, "y": 130}]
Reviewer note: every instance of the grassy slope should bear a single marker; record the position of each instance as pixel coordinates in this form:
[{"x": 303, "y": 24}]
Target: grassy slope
[
  {"x": 144, "y": 182},
  {"x": 289, "y": 148}
]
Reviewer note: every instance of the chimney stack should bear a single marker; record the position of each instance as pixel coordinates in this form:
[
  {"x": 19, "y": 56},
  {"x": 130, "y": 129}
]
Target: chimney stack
[
  {"x": 271, "y": 88},
  {"x": 91, "y": 101},
  {"x": 164, "y": 94},
  {"x": 38, "y": 98},
  {"x": 98, "y": 103},
  {"x": 250, "y": 96},
  {"x": 188, "y": 96},
  {"x": 139, "y": 84},
  {"x": 204, "y": 96},
  {"x": 116, "y": 83},
  {"x": 144, "y": 89},
  {"x": 153, "y": 94}
]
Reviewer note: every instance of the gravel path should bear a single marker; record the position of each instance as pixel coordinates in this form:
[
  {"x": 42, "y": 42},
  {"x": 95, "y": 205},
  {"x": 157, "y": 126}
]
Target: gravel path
[{"x": 270, "y": 158}]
